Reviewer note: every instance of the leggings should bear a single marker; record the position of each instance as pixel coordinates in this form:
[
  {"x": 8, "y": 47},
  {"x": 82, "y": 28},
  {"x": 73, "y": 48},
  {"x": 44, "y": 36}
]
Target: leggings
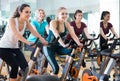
[
  {"x": 15, "y": 59},
  {"x": 102, "y": 41},
  {"x": 50, "y": 55},
  {"x": 32, "y": 54}
]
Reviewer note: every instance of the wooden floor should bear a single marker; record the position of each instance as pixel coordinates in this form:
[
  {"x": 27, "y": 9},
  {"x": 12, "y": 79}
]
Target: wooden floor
[{"x": 27, "y": 55}]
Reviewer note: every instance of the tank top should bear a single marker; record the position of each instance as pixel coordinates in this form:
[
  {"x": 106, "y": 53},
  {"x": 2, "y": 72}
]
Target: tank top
[
  {"x": 51, "y": 36},
  {"x": 9, "y": 40}
]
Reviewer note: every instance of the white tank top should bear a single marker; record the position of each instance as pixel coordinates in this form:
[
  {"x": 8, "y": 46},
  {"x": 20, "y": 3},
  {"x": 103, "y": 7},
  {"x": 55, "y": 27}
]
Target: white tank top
[{"x": 9, "y": 40}]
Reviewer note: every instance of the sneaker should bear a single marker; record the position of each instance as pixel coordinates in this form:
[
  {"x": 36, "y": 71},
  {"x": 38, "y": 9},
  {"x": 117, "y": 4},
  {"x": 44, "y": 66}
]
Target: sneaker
[{"x": 83, "y": 64}]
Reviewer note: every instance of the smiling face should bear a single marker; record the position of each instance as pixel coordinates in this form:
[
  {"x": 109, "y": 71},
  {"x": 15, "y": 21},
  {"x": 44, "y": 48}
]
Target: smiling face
[
  {"x": 78, "y": 16},
  {"x": 40, "y": 14},
  {"x": 107, "y": 17},
  {"x": 62, "y": 14},
  {"x": 25, "y": 13}
]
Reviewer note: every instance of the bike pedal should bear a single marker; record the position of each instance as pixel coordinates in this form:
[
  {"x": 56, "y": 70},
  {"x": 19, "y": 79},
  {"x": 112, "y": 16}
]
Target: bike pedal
[{"x": 35, "y": 71}]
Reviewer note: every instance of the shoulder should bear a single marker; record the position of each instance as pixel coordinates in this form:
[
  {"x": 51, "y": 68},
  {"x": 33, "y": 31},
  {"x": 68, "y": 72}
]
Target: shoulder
[
  {"x": 44, "y": 22},
  {"x": 33, "y": 21},
  {"x": 83, "y": 24},
  {"x": 67, "y": 24},
  {"x": 72, "y": 22},
  {"x": 53, "y": 22},
  {"x": 101, "y": 24},
  {"x": 110, "y": 25},
  {"x": 11, "y": 20}
]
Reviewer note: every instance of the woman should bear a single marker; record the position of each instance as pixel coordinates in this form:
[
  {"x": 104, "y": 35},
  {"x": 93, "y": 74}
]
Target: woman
[
  {"x": 9, "y": 50},
  {"x": 59, "y": 28},
  {"x": 79, "y": 27},
  {"x": 105, "y": 26},
  {"x": 41, "y": 26}
]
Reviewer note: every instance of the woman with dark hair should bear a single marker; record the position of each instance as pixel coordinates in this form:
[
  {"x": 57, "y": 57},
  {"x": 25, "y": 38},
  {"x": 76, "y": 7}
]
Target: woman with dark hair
[
  {"x": 48, "y": 19},
  {"x": 105, "y": 26},
  {"x": 78, "y": 27},
  {"x": 9, "y": 50}
]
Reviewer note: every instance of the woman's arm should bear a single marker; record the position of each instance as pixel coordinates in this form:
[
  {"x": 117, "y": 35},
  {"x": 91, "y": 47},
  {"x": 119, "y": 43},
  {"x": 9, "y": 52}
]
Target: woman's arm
[
  {"x": 87, "y": 34},
  {"x": 17, "y": 35},
  {"x": 53, "y": 28},
  {"x": 102, "y": 33},
  {"x": 47, "y": 29},
  {"x": 113, "y": 31},
  {"x": 35, "y": 33},
  {"x": 72, "y": 33}
]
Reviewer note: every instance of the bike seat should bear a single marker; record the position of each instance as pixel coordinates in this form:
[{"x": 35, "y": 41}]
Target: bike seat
[
  {"x": 94, "y": 54},
  {"x": 115, "y": 56},
  {"x": 106, "y": 52}
]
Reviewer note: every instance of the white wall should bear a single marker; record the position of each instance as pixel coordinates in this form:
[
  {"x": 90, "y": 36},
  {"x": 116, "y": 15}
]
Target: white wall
[{"x": 51, "y": 6}]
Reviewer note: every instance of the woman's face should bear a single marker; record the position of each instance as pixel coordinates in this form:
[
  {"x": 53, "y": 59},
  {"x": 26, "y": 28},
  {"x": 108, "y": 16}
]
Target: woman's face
[
  {"x": 62, "y": 15},
  {"x": 41, "y": 15},
  {"x": 107, "y": 17},
  {"x": 78, "y": 16},
  {"x": 25, "y": 14}
]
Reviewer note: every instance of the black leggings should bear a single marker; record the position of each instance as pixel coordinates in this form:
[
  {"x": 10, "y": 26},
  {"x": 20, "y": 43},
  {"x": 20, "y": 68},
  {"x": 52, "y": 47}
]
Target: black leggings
[
  {"x": 102, "y": 41},
  {"x": 15, "y": 59}
]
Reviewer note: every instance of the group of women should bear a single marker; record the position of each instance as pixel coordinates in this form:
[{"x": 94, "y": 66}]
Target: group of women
[{"x": 12, "y": 55}]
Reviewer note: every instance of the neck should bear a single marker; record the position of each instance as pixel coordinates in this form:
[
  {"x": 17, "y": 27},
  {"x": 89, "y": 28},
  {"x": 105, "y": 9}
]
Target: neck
[
  {"x": 39, "y": 20},
  {"x": 21, "y": 20},
  {"x": 77, "y": 21},
  {"x": 104, "y": 21},
  {"x": 61, "y": 22}
]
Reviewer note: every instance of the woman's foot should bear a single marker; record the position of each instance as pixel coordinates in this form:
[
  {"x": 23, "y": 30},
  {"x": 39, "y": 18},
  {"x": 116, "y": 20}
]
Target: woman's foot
[{"x": 83, "y": 64}]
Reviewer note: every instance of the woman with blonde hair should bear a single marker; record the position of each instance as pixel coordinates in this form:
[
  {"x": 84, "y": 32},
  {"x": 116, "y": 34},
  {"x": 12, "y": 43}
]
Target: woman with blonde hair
[
  {"x": 58, "y": 28},
  {"x": 41, "y": 26}
]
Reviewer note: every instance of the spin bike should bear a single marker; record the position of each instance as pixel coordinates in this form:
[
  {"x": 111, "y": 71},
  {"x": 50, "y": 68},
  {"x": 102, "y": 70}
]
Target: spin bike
[
  {"x": 32, "y": 61},
  {"x": 109, "y": 63}
]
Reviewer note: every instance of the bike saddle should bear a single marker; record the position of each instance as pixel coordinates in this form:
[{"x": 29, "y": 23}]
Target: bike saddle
[
  {"x": 106, "y": 52},
  {"x": 115, "y": 56},
  {"x": 94, "y": 54}
]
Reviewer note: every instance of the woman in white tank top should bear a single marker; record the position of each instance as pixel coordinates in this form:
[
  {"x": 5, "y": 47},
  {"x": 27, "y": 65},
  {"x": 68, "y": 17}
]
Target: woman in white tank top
[{"x": 9, "y": 50}]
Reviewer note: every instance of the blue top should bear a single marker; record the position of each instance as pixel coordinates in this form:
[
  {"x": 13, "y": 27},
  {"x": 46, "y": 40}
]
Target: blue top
[{"x": 40, "y": 27}]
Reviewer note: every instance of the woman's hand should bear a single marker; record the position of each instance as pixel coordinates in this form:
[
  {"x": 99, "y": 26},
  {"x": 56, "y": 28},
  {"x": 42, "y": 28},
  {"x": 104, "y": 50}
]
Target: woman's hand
[
  {"x": 66, "y": 45},
  {"x": 80, "y": 48},
  {"x": 32, "y": 45},
  {"x": 80, "y": 45},
  {"x": 44, "y": 42}
]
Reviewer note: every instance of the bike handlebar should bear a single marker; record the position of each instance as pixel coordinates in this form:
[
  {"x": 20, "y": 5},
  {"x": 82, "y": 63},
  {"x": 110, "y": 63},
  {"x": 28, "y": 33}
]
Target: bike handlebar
[
  {"x": 91, "y": 40},
  {"x": 105, "y": 44},
  {"x": 51, "y": 43}
]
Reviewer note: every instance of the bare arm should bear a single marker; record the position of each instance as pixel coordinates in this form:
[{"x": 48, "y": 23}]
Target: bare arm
[
  {"x": 113, "y": 31},
  {"x": 53, "y": 28},
  {"x": 47, "y": 29},
  {"x": 102, "y": 33},
  {"x": 87, "y": 34},
  {"x": 72, "y": 33},
  {"x": 16, "y": 33},
  {"x": 35, "y": 33}
]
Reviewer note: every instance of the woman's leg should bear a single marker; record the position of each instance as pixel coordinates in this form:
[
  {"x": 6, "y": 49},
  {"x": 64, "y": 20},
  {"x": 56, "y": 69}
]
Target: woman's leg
[
  {"x": 9, "y": 58},
  {"x": 49, "y": 53},
  {"x": 21, "y": 61}
]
